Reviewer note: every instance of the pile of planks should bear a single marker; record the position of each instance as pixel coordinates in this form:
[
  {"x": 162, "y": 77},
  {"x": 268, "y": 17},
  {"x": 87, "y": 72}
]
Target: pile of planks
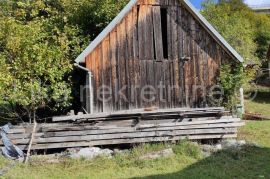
[{"x": 128, "y": 127}]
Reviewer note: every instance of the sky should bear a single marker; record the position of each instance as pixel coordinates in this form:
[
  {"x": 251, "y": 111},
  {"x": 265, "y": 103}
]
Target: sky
[{"x": 197, "y": 3}]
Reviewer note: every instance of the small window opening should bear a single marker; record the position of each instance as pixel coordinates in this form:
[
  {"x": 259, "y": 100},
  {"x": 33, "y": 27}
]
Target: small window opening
[{"x": 164, "y": 24}]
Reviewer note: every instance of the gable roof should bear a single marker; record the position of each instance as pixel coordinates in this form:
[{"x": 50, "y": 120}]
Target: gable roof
[{"x": 210, "y": 29}]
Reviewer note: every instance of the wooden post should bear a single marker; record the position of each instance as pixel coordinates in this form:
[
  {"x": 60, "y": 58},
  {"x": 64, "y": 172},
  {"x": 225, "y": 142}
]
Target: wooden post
[
  {"x": 242, "y": 100},
  {"x": 89, "y": 93},
  {"x": 31, "y": 141}
]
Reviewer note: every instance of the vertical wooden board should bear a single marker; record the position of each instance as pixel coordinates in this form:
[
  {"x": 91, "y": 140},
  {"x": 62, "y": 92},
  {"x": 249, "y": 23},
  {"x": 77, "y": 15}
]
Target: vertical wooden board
[
  {"x": 92, "y": 66},
  {"x": 209, "y": 64},
  {"x": 149, "y": 30},
  {"x": 87, "y": 61},
  {"x": 136, "y": 62},
  {"x": 162, "y": 2},
  {"x": 162, "y": 87},
  {"x": 180, "y": 32},
  {"x": 169, "y": 32},
  {"x": 114, "y": 73},
  {"x": 176, "y": 91},
  {"x": 90, "y": 61},
  {"x": 175, "y": 55},
  {"x": 181, "y": 83},
  {"x": 131, "y": 67},
  {"x": 119, "y": 57},
  {"x": 121, "y": 39},
  {"x": 188, "y": 75},
  {"x": 157, "y": 82},
  {"x": 157, "y": 33},
  {"x": 206, "y": 71},
  {"x": 143, "y": 67},
  {"x": 129, "y": 32},
  {"x": 200, "y": 65},
  {"x": 167, "y": 91},
  {"x": 135, "y": 32},
  {"x": 94, "y": 82},
  {"x": 184, "y": 49},
  {"x": 141, "y": 31},
  {"x": 200, "y": 51},
  {"x": 199, "y": 90},
  {"x": 151, "y": 81},
  {"x": 128, "y": 55},
  {"x": 217, "y": 61},
  {"x": 160, "y": 78},
  {"x": 100, "y": 78},
  {"x": 174, "y": 30},
  {"x": 173, "y": 2},
  {"x": 193, "y": 60},
  {"x": 171, "y": 79},
  {"x": 212, "y": 62},
  {"x": 107, "y": 78},
  {"x": 137, "y": 74}
]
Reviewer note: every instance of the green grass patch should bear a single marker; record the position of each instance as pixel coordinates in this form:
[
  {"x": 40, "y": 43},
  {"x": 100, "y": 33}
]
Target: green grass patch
[
  {"x": 124, "y": 165},
  {"x": 256, "y": 132},
  {"x": 261, "y": 103}
]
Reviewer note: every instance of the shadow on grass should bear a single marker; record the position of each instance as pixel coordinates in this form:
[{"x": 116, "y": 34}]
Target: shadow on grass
[
  {"x": 249, "y": 162},
  {"x": 263, "y": 97}
]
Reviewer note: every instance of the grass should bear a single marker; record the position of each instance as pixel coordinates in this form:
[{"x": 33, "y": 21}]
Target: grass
[
  {"x": 120, "y": 166},
  {"x": 261, "y": 103},
  {"x": 187, "y": 162},
  {"x": 256, "y": 132}
]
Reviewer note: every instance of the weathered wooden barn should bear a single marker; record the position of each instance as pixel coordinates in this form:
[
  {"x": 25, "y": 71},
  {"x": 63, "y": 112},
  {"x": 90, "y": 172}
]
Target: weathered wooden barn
[
  {"x": 163, "y": 48},
  {"x": 147, "y": 74}
]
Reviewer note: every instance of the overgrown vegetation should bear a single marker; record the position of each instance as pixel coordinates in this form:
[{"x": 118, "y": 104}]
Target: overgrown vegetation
[
  {"x": 247, "y": 32},
  {"x": 39, "y": 41},
  {"x": 231, "y": 80}
]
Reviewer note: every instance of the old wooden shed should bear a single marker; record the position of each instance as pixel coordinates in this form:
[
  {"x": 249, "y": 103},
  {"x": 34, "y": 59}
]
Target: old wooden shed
[{"x": 155, "y": 53}]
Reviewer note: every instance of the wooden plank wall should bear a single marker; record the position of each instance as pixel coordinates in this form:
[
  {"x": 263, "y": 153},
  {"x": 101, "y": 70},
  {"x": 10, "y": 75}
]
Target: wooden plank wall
[{"x": 131, "y": 59}]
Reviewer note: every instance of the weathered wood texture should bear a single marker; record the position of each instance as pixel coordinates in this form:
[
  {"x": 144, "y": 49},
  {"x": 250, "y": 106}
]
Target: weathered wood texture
[
  {"x": 144, "y": 54},
  {"x": 149, "y": 128}
]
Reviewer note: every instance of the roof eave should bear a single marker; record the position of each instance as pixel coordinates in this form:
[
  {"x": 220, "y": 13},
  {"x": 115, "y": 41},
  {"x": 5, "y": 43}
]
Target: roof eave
[
  {"x": 187, "y": 4},
  {"x": 105, "y": 32},
  {"x": 214, "y": 33}
]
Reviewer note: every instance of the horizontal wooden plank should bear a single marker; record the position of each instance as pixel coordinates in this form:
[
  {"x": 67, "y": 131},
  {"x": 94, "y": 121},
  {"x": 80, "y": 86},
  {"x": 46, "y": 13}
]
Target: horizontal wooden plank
[
  {"x": 125, "y": 141},
  {"x": 138, "y": 112},
  {"x": 127, "y": 130},
  {"x": 141, "y": 124},
  {"x": 127, "y": 135}
]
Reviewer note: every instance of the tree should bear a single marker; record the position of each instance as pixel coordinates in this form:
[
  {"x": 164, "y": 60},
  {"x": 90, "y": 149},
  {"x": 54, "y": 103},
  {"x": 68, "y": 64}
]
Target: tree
[
  {"x": 93, "y": 16},
  {"x": 230, "y": 18},
  {"x": 248, "y": 32},
  {"x": 39, "y": 41},
  {"x": 36, "y": 48}
]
